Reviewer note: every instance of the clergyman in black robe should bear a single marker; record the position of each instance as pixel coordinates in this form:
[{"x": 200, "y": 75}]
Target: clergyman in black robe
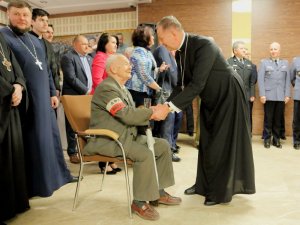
[
  {"x": 45, "y": 165},
  {"x": 225, "y": 160},
  {"x": 13, "y": 190}
]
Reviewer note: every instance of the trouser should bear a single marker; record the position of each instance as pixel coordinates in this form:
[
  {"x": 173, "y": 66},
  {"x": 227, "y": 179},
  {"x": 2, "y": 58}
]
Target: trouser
[
  {"x": 177, "y": 125},
  {"x": 71, "y": 150},
  {"x": 145, "y": 187},
  {"x": 250, "y": 110},
  {"x": 296, "y": 122},
  {"x": 273, "y": 118},
  {"x": 166, "y": 129}
]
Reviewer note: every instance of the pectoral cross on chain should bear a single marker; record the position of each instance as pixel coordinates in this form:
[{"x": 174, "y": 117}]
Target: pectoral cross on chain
[
  {"x": 39, "y": 64},
  {"x": 6, "y": 63}
]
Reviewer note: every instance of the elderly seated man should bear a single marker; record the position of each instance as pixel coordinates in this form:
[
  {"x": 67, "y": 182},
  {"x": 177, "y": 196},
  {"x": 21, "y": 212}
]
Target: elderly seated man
[{"x": 113, "y": 108}]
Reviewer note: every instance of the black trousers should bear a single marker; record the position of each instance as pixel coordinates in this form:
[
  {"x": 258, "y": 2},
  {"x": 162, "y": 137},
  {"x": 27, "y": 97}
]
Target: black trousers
[
  {"x": 71, "y": 150},
  {"x": 274, "y": 110},
  {"x": 250, "y": 110},
  {"x": 296, "y": 122}
]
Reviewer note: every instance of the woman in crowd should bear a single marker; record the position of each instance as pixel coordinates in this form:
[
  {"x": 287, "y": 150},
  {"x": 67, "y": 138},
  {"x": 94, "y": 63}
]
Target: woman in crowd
[{"x": 144, "y": 69}]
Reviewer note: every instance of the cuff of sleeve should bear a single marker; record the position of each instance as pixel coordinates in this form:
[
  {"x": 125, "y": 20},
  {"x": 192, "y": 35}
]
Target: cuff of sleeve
[{"x": 173, "y": 107}]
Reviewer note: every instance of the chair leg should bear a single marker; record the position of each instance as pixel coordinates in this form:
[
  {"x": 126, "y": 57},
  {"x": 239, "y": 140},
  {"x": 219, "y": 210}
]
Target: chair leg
[
  {"x": 104, "y": 174},
  {"x": 78, "y": 185},
  {"x": 128, "y": 188}
]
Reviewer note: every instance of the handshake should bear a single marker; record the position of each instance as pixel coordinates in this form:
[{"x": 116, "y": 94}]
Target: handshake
[{"x": 160, "y": 112}]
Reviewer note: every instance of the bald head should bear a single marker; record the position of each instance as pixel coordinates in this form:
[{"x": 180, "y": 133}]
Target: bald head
[
  {"x": 274, "y": 50},
  {"x": 118, "y": 67},
  {"x": 81, "y": 44}
]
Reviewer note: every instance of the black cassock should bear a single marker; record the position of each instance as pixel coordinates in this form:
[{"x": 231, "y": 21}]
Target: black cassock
[
  {"x": 13, "y": 190},
  {"x": 45, "y": 164},
  {"x": 225, "y": 160}
]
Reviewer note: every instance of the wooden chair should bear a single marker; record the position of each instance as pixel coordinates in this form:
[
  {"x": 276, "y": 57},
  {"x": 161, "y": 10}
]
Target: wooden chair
[{"x": 78, "y": 112}]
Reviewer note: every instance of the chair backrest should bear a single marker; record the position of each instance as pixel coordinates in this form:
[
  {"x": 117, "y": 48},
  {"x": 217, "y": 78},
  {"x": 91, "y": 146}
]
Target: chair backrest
[{"x": 78, "y": 111}]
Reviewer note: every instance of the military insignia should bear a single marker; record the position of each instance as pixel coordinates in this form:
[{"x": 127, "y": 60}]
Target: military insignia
[{"x": 115, "y": 105}]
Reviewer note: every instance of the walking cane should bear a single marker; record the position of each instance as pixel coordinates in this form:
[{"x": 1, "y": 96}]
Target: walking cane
[{"x": 150, "y": 143}]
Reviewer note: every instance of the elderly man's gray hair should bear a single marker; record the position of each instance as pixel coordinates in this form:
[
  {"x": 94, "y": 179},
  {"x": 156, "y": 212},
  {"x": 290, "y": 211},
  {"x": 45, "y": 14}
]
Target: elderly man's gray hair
[{"x": 169, "y": 21}]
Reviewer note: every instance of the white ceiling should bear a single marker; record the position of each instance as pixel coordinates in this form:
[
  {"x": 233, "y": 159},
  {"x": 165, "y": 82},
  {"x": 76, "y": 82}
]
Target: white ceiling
[{"x": 69, "y": 6}]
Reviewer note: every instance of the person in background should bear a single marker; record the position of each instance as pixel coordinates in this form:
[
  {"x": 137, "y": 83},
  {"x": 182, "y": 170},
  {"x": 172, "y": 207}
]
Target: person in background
[
  {"x": 92, "y": 46},
  {"x": 46, "y": 168},
  {"x": 49, "y": 34},
  {"x": 295, "y": 80},
  {"x": 225, "y": 160},
  {"x": 244, "y": 67},
  {"x": 76, "y": 68},
  {"x": 128, "y": 52},
  {"x": 13, "y": 188},
  {"x": 114, "y": 109},
  {"x": 144, "y": 71},
  {"x": 121, "y": 46},
  {"x": 167, "y": 80},
  {"x": 106, "y": 46},
  {"x": 274, "y": 91},
  {"x": 39, "y": 26}
]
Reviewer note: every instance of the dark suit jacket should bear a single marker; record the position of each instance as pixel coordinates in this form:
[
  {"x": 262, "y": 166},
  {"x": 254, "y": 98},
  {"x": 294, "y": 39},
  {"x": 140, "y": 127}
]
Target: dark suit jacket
[
  {"x": 75, "y": 78},
  {"x": 52, "y": 62}
]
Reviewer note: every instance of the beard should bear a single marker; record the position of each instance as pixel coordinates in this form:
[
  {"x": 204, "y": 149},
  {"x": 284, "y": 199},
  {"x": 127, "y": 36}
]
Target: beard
[{"x": 18, "y": 30}]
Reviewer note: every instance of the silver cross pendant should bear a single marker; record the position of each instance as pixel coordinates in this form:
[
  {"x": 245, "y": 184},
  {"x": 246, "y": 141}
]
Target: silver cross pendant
[{"x": 39, "y": 64}]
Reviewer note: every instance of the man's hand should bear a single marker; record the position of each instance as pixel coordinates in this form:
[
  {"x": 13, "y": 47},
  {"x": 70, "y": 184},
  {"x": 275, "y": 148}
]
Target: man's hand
[
  {"x": 17, "y": 95},
  {"x": 263, "y": 99},
  {"x": 252, "y": 98},
  {"x": 160, "y": 112},
  {"x": 54, "y": 102}
]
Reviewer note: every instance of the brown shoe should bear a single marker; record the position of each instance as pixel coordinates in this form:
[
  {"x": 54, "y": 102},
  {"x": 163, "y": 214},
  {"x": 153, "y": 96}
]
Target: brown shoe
[
  {"x": 169, "y": 200},
  {"x": 146, "y": 212},
  {"x": 74, "y": 159}
]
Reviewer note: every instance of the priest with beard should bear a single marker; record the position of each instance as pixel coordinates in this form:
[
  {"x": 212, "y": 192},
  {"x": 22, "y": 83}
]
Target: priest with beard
[
  {"x": 225, "y": 160},
  {"x": 45, "y": 165},
  {"x": 13, "y": 190}
]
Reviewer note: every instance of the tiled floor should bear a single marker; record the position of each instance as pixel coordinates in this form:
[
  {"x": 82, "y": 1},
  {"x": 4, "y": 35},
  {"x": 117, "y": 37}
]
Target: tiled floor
[{"x": 277, "y": 201}]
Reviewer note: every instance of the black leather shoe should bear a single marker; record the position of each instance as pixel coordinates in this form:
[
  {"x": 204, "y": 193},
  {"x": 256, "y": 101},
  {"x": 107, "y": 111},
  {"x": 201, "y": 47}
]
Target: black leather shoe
[
  {"x": 276, "y": 144},
  {"x": 175, "y": 150},
  {"x": 190, "y": 191},
  {"x": 283, "y": 137},
  {"x": 209, "y": 202},
  {"x": 297, "y": 146},
  {"x": 177, "y": 147},
  {"x": 74, "y": 179},
  {"x": 267, "y": 144},
  {"x": 175, "y": 158}
]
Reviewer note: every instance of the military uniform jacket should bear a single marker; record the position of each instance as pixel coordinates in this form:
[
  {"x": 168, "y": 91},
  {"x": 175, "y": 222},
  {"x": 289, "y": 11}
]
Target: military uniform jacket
[
  {"x": 114, "y": 109},
  {"x": 295, "y": 77},
  {"x": 274, "y": 80},
  {"x": 247, "y": 73}
]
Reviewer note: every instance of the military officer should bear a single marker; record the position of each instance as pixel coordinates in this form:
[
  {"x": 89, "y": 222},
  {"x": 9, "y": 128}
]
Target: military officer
[
  {"x": 274, "y": 92},
  {"x": 295, "y": 79},
  {"x": 246, "y": 69},
  {"x": 113, "y": 108}
]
